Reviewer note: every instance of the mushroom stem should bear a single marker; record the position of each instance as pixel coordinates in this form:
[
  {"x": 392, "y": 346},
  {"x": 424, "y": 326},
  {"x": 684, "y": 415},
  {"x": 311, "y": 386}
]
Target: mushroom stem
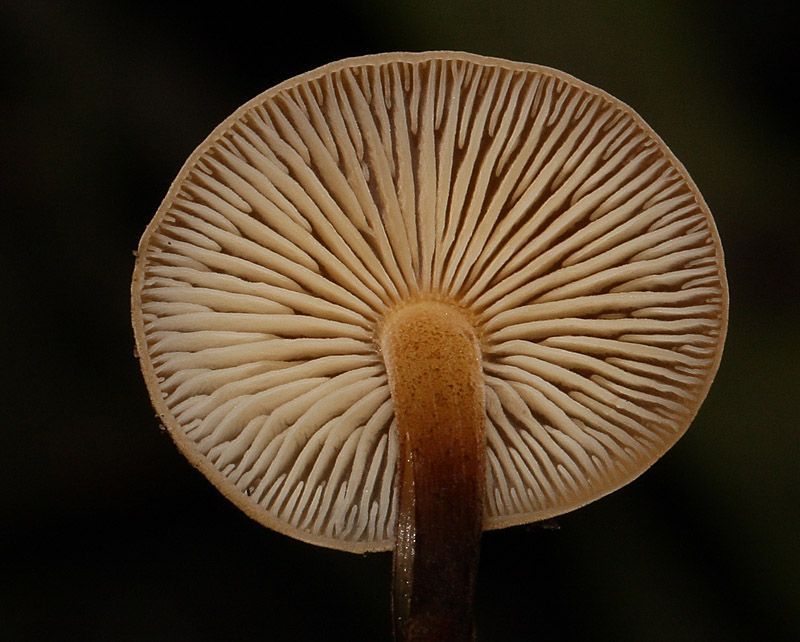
[{"x": 433, "y": 360}]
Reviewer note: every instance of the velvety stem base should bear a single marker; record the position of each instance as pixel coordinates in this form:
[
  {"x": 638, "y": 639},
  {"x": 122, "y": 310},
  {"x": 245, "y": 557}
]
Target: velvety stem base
[{"x": 433, "y": 360}]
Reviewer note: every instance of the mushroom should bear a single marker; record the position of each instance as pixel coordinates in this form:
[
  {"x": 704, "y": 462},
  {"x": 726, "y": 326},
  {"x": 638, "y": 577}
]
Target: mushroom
[{"x": 405, "y": 298}]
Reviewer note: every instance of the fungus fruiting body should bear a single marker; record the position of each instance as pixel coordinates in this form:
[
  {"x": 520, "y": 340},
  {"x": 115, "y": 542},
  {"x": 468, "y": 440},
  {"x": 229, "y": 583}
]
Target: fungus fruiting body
[{"x": 405, "y": 298}]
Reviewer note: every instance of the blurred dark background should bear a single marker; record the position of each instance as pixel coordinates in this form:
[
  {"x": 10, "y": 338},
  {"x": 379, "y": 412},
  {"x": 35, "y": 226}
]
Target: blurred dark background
[{"x": 106, "y": 533}]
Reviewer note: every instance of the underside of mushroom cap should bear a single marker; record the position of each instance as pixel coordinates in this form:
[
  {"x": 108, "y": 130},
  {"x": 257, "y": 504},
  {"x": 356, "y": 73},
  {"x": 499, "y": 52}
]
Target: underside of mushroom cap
[{"x": 544, "y": 209}]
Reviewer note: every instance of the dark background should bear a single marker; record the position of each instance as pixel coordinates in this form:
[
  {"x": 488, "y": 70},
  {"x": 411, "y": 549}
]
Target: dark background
[{"x": 106, "y": 533}]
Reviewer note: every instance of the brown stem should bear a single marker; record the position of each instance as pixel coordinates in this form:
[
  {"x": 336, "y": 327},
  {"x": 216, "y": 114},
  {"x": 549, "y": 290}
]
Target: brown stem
[{"x": 433, "y": 361}]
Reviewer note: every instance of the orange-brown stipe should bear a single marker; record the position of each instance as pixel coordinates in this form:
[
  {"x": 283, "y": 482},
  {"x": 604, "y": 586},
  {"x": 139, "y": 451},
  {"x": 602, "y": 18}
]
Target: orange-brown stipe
[{"x": 433, "y": 361}]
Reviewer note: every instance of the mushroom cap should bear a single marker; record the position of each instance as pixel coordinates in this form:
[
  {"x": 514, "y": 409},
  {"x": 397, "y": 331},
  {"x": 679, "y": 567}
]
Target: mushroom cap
[{"x": 544, "y": 207}]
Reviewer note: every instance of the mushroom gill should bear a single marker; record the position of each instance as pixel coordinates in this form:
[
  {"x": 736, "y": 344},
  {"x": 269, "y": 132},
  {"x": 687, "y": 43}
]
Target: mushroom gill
[{"x": 541, "y": 210}]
